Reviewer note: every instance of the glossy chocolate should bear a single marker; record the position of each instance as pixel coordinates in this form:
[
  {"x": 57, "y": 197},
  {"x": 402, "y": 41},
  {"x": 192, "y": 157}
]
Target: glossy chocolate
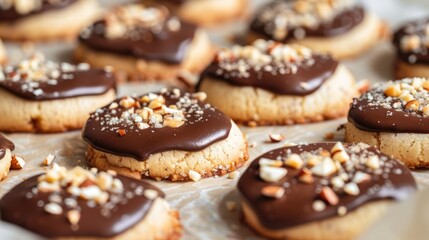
[
  {"x": 421, "y": 56},
  {"x": 12, "y": 15},
  {"x": 342, "y": 23},
  {"x": 368, "y": 115},
  {"x": 69, "y": 84},
  {"x": 17, "y": 208},
  {"x": 295, "y": 207},
  {"x": 197, "y": 133},
  {"x": 306, "y": 80},
  {"x": 4, "y": 145},
  {"x": 166, "y": 46}
]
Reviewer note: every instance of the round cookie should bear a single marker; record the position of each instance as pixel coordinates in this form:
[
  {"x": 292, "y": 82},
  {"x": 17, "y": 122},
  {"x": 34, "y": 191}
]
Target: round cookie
[
  {"x": 6, "y": 147},
  {"x": 411, "y": 43},
  {"x": 29, "y": 20},
  {"x": 321, "y": 190},
  {"x": 83, "y": 204},
  {"x": 208, "y": 12},
  {"x": 393, "y": 116},
  {"x": 43, "y": 96},
  {"x": 326, "y": 26},
  {"x": 167, "y": 135},
  {"x": 146, "y": 43},
  {"x": 273, "y": 83}
]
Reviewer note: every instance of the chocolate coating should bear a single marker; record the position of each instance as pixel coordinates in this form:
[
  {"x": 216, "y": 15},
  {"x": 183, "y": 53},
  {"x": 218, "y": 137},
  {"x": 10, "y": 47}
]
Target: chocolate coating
[
  {"x": 17, "y": 208},
  {"x": 367, "y": 116},
  {"x": 4, "y": 145},
  {"x": 295, "y": 207},
  {"x": 342, "y": 23},
  {"x": 194, "y": 135},
  {"x": 84, "y": 83},
  {"x": 411, "y": 28},
  {"x": 305, "y": 81},
  {"x": 12, "y": 15},
  {"x": 166, "y": 46}
]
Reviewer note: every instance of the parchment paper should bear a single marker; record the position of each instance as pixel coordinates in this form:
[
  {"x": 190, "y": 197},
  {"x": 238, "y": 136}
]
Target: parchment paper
[{"x": 202, "y": 204}]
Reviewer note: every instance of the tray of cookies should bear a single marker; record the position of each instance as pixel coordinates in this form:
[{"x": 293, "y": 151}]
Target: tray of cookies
[{"x": 213, "y": 119}]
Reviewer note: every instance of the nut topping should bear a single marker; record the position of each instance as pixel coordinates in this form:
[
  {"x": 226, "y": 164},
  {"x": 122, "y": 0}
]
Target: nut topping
[
  {"x": 273, "y": 191},
  {"x": 17, "y": 163},
  {"x": 329, "y": 196}
]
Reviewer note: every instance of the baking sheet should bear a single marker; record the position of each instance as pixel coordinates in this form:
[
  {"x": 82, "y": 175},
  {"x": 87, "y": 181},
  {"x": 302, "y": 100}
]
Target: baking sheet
[{"x": 202, "y": 204}]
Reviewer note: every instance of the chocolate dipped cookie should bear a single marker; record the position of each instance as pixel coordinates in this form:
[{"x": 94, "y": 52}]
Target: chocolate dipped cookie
[
  {"x": 39, "y": 95},
  {"x": 272, "y": 83},
  {"x": 83, "y": 204},
  {"x": 411, "y": 43},
  {"x": 393, "y": 116},
  {"x": 166, "y": 135},
  {"x": 340, "y": 27},
  {"x": 6, "y": 148},
  {"x": 208, "y": 12},
  {"x": 38, "y": 20},
  {"x": 321, "y": 190},
  {"x": 145, "y": 43}
]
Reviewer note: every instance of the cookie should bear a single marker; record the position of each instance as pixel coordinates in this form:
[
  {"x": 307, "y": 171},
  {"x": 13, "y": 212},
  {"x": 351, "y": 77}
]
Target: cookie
[
  {"x": 29, "y": 20},
  {"x": 272, "y": 83},
  {"x": 145, "y": 43},
  {"x": 6, "y": 148},
  {"x": 167, "y": 135},
  {"x": 321, "y": 190},
  {"x": 208, "y": 12},
  {"x": 2, "y": 53},
  {"x": 393, "y": 116},
  {"x": 43, "y": 96},
  {"x": 83, "y": 204},
  {"x": 327, "y": 26},
  {"x": 412, "y": 46}
]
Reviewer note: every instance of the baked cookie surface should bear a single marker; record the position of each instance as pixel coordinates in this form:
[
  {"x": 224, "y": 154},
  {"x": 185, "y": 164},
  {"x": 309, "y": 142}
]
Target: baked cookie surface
[
  {"x": 43, "y": 96},
  {"x": 273, "y": 83},
  {"x": 164, "y": 135},
  {"x": 83, "y": 204},
  {"x": 6, "y": 148},
  {"x": 328, "y": 26},
  {"x": 28, "y": 20},
  {"x": 394, "y": 117},
  {"x": 321, "y": 191},
  {"x": 145, "y": 43}
]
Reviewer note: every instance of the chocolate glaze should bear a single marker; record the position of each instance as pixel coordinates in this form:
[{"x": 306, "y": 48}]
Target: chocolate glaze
[
  {"x": 16, "y": 208},
  {"x": 411, "y": 28},
  {"x": 84, "y": 83},
  {"x": 342, "y": 23},
  {"x": 295, "y": 207},
  {"x": 167, "y": 46},
  {"x": 12, "y": 15},
  {"x": 4, "y": 145},
  {"x": 376, "y": 118},
  {"x": 305, "y": 81},
  {"x": 194, "y": 135}
]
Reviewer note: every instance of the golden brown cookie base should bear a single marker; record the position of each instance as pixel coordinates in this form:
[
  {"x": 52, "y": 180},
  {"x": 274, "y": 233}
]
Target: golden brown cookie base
[
  {"x": 411, "y": 148},
  {"x": 198, "y": 56},
  {"x": 255, "y": 106},
  {"x": 5, "y": 164},
  {"x": 63, "y": 24},
  {"x": 406, "y": 70},
  {"x": 21, "y": 115},
  {"x": 340, "y": 46},
  {"x": 348, "y": 226},
  {"x": 216, "y": 160}
]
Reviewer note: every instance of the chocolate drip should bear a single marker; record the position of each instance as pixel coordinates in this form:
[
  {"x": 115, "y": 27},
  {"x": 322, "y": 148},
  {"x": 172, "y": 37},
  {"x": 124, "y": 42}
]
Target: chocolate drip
[
  {"x": 306, "y": 80},
  {"x": 167, "y": 46},
  {"x": 295, "y": 207},
  {"x": 17, "y": 208},
  {"x": 4, "y": 145},
  {"x": 12, "y": 15},
  {"x": 368, "y": 116},
  {"x": 80, "y": 83},
  {"x": 411, "y": 28},
  {"x": 342, "y": 23},
  {"x": 197, "y": 133}
]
